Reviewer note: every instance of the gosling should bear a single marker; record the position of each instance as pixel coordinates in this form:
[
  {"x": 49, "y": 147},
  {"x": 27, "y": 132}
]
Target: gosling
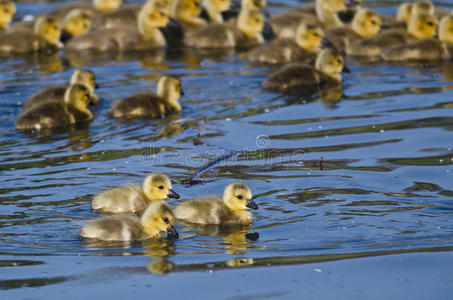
[
  {"x": 7, "y": 11},
  {"x": 231, "y": 209},
  {"x": 145, "y": 36},
  {"x": 45, "y": 37},
  {"x": 133, "y": 198},
  {"x": 420, "y": 26},
  {"x": 246, "y": 33},
  {"x": 76, "y": 23},
  {"x": 56, "y": 113},
  {"x": 56, "y": 93},
  {"x": 365, "y": 24},
  {"x": 302, "y": 48},
  {"x": 157, "y": 218},
  {"x": 187, "y": 14},
  {"x": 301, "y": 77},
  {"x": 147, "y": 105},
  {"x": 425, "y": 49}
]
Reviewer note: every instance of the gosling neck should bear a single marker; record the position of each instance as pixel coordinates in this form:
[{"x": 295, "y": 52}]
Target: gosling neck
[
  {"x": 170, "y": 97},
  {"x": 304, "y": 44},
  {"x": 149, "y": 229},
  {"x": 214, "y": 15}
]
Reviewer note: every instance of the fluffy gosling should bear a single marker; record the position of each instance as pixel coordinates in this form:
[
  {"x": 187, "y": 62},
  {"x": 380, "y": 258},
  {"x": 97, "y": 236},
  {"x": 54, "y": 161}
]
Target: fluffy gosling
[
  {"x": 148, "y": 105},
  {"x": 133, "y": 198},
  {"x": 302, "y": 48},
  {"x": 231, "y": 209},
  {"x": 56, "y": 113},
  {"x": 301, "y": 77},
  {"x": 56, "y": 93},
  {"x": 157, "y": 218},
  {"x": 145, "y": 36},
  {"x": 246, "y": 33},
  {"x": 45, "y": 37}
]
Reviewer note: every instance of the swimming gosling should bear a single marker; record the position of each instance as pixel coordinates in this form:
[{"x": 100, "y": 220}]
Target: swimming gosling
[
  {"x": 157, "y": 218},
  {"x": 302, "y": 48},
  {"x": 300, "y": 77},
  {"x": 56, "y": 93},
  {"x": 231, "y": 209},
  {"x": 56, "y": 113},
  {"x": 45, "y": 37},
  {"x": 148, "y": 105},
  {"x": 133, "y": 198}
]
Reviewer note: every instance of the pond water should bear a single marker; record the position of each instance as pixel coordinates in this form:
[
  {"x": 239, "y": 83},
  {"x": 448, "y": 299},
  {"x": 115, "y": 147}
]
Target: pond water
[{"x": 355, "y": 190}]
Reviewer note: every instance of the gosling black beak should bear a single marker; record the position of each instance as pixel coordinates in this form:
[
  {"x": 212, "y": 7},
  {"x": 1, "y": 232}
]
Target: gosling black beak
[
  {"x": 346, "y": 70},
  {"x": 251, "y": 204},
  {"x": 327, "y": 43},
  {"x": 65, "y": 36},
  {"x": 182, "y": 92},
  {"x": 172, "y": 233},
  {"x": 96, "y": 86},
  {"x": 172, "y": 194}
]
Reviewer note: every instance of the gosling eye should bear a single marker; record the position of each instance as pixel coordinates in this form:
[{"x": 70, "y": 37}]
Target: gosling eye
[
  {"x": 240, "y": 197},
  {"x": 315, "y": 34},
  {"x": 431, "y": 24},
  {"x": 373, "y": 22},
  {"x": 161, "y": 187},
  {"x": 162, "y": 14},
  {"x": 5, "y": 10},
  {"x": 165, "y": 219}
]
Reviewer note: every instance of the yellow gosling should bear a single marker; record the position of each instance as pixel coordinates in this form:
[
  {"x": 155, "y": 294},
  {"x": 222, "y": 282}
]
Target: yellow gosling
[
  {"x": 56, "y": 113},
  {"x": 420, "y": 26},
  {"x": 246, "y": 33},
  {"x": 366, "y": 23},
  {"x": 302, "y": 48},
  {"x": 425, "y": 49},
  {"x": 145, "y": 36},
  {"x": 45, "y": 37},
  {"x": 148, "y": 105},
  {"x": 231, "y": 209},
  {"x": 75, "y": 23},
  {"x": 135, "y": 198},
  {"x": 7, "y": 11},
  {"x": 327, "y": 70},
  {"x": 56, "y": 93},
  {"x": 156, "y": 219}
]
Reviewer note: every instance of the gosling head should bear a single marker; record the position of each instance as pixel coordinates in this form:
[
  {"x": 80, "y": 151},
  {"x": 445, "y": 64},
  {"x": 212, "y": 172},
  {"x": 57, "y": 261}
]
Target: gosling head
[
  {"x": 325, "y": 9},
  {"x": 7, "y": 11},
  {"x": 237, "y": 196},
  {"x": 217, "y": 5},
  {"x": 446, "y": 29},
  {"x": 84, "y": 77},
  {"x": 366, "y": 22},
  {"x": 186, "y": 9},
  {"x": 157, "y": 218},
  {"x": 251, "y": 22},
  {"x": 157, "y": 187},
  {"x": 422, "y": 7},
  {"x": 105, "y": 6},
  {"x": 49, "y": 29},
  {"x": 77, "y": 96},
  {"x": 331, "y": 63},
  {"x": 152, "y": 15},
  {"x": 75, "y": 23},
  {"x": 309, "y": 37},
  {"x": 253, "y": 4},
  {"x": 404, "y": 12},
  {"x": 169, "y": 89},
  {"x": 422, "y": 26}
]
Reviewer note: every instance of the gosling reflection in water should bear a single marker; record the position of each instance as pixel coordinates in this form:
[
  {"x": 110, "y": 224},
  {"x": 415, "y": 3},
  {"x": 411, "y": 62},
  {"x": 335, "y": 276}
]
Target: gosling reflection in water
[
  {"x": 159, "y": 251},
  {"x": 239, "y": 262}
]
